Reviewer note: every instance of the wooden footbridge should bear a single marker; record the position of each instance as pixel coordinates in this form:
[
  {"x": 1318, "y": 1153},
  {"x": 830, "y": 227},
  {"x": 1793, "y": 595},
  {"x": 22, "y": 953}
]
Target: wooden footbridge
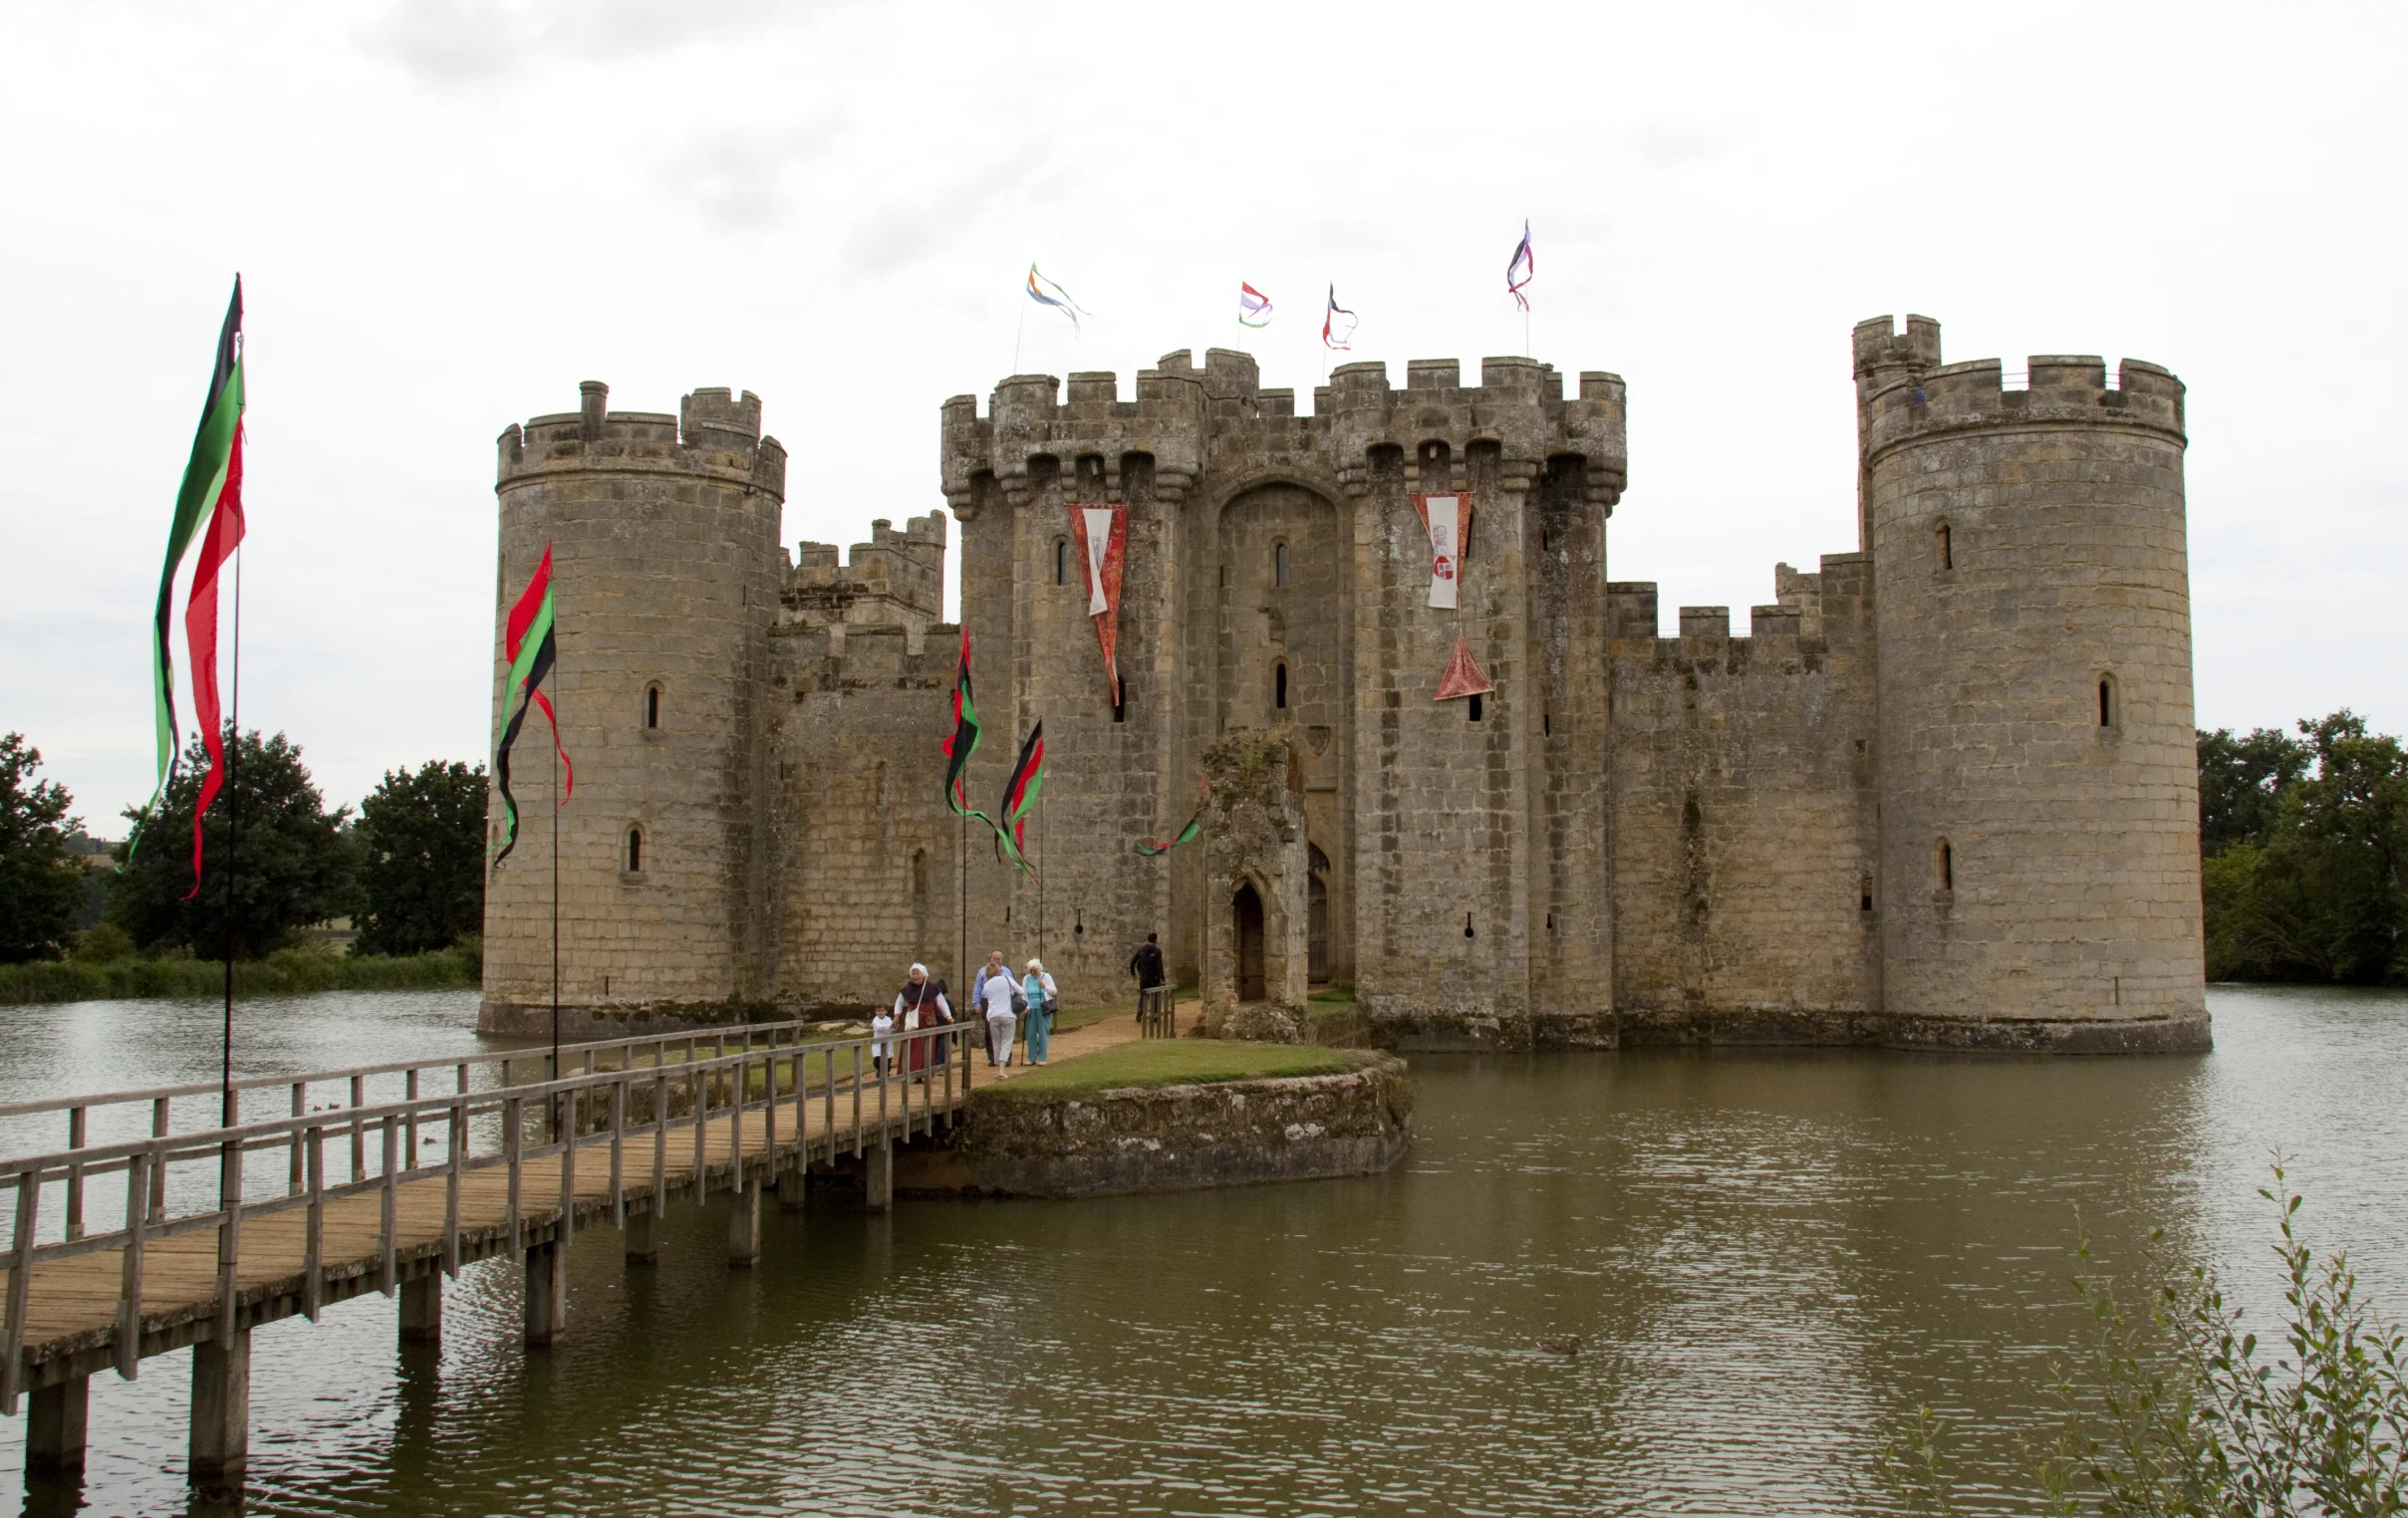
[{"x": 138, "y": 1237}]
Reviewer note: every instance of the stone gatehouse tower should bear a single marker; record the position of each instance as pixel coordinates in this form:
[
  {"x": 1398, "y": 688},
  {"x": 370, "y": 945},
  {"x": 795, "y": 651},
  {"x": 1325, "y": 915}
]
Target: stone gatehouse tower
[{"x": 1942, "y": 793}]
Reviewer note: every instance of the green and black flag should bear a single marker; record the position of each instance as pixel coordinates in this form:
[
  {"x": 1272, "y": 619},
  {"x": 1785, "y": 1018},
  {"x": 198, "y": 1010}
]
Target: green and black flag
[
  {"x": 529, "y": 641},
  {"x": 1020, "y": 795}
]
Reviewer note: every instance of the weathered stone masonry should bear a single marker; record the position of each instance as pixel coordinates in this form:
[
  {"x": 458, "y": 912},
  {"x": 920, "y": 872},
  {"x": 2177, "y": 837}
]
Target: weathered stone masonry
[{"x": 1941, "y": 793}]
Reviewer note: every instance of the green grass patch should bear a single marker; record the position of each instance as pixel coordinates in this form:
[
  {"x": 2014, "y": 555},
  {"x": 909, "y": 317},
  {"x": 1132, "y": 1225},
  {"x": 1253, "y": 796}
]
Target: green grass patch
[
  {"x": 1174, "y": 1062},
  {"x": 285, "y": 973}
]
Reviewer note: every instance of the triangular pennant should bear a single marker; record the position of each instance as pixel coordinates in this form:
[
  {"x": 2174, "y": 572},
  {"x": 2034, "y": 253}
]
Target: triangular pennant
[{"x": 1464, "y": 676}]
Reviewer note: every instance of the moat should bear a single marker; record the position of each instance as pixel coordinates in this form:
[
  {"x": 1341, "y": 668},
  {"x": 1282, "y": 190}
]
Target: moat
[{"x": 1769, "y": 1255}]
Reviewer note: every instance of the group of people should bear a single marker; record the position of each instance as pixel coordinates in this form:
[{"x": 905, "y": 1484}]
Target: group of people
[{"x": 1018, "y": 1011}]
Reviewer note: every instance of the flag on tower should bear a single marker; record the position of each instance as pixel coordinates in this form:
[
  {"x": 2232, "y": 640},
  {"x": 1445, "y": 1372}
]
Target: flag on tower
[
  {"x": 532, "y": 648},
  {"x": 1464, "y": 675},
  {"x": 1253, "y": 307},
  {"x": 1046, "y": 293},
  {"x": 1518, "y": 272},
  {"x": 1334, "y": 333},
  {"x": 1448, "y": 520},
  {"x": 1151, "y": 847},
  {"x": 209, "y": 507},
  {"x": 1102, "y": 534}
]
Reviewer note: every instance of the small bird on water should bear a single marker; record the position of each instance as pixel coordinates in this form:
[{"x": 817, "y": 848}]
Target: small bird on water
[{"x": 1560, "y": 1346}]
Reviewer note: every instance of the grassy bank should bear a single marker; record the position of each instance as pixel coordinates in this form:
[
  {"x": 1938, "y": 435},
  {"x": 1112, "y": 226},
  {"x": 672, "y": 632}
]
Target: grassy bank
[
  {"x": 283, "y": 973},
  {"x": 1174, "y": 1062}
]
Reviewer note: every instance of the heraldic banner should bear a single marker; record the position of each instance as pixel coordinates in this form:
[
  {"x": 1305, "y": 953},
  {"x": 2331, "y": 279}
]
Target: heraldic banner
[
  {"x": 1449, "y": 518},
  {"x": 1102, "y": 534}
]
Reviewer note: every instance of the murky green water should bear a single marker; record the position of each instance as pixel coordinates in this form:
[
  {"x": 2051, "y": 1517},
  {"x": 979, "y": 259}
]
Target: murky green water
[{"x": 1769, "y": 1256}]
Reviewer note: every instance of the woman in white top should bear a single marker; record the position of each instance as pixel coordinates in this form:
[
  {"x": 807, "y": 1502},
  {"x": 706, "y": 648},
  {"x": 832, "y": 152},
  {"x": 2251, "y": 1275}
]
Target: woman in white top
[{"x": 996, "y": 994}]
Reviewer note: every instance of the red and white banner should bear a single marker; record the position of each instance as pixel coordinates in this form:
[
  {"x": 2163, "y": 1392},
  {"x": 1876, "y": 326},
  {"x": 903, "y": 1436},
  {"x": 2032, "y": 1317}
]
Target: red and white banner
[
  {"x": 1102, "y": 534},
  {"x": 1449, "y": 519}
]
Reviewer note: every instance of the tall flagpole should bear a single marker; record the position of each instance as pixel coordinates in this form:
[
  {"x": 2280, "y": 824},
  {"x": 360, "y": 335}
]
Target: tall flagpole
[
  {"x": 555, "y": 798},
  {"x": 225, "y": 1063}
]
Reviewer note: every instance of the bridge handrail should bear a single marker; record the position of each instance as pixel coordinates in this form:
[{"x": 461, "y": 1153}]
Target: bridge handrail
[
  {"x": 145, "y": 1161},
  {"x": 397, "y": 1067}
]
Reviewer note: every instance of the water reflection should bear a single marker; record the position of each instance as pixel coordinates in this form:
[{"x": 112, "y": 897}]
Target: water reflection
[{"x": 1769, "y": 1256}]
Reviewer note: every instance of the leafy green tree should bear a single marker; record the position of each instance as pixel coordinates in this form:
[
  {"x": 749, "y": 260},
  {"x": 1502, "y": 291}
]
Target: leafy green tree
[
  {"x": 289, "y": 863},
  {"x": 41, "y": 883},
  {"x": 2308, "y": 880},
  {"x": 2241, "y": 784},
  {"x": 421, "y": 840}
]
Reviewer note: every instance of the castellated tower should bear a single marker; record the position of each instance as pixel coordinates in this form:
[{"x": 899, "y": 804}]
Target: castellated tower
[
  {"x": 667, "y": 574},
  {"x": 1447, "y": 858},
  {"x": 2038, "y": 790}
]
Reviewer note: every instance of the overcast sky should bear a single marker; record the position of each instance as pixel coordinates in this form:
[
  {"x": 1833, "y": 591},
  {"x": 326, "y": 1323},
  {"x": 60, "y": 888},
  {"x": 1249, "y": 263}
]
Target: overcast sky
[{"x": 449, "y": 212}]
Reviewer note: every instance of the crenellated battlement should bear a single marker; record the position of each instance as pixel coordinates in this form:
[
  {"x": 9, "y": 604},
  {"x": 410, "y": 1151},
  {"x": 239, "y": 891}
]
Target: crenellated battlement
[
  {"x": 1188, "y": 422},
  {"x": 835, "y": 656},
  {"x": 897, "y": 579},
  {"x": 716, "y": 435},
  {"x": 1904, "y": 392}
]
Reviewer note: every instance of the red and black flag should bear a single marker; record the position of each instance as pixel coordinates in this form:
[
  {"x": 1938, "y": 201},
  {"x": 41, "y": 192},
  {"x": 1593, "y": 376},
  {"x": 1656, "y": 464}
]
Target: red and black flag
[
  {"x": 1020, "y": 795},
  {"x": 529, "y": 640},
  {"x": 963, "y": 743},
  {"x": 209, "y": 507}
]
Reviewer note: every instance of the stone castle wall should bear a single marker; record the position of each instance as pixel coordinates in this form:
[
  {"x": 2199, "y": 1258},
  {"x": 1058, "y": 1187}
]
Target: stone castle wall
[
  {"x": 1743, "y": 818},
  {"x": 2039, "y": 783},
  {"x": 665, "y": 567},
  {"x": 1697, "y": 838}
]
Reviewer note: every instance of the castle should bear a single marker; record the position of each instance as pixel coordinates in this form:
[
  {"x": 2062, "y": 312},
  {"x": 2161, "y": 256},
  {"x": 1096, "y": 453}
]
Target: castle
[{"x": 1942, "y": 793}]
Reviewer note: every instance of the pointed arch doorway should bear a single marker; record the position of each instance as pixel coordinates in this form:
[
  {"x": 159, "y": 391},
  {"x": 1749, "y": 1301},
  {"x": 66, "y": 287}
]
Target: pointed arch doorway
[{"x": 1245, "y": 907}]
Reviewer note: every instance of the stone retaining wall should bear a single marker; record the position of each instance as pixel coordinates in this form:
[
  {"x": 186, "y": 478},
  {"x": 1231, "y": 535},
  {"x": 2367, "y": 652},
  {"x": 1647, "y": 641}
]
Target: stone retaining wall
[{"x": 1179, "y": 1138}]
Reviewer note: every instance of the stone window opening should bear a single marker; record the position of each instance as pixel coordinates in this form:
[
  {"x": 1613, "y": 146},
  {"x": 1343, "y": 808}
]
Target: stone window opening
[
  {"x": 1944, "y": 548},
  {"x": 2106, "y": 700},
  {"x": 1279, "y": 686},
  {"x": 1466, "y": 924},
  {"x": 1944, "y": 866},
  {"x": 1120, "y": 708},
  {"x": 1546, "y": 724},
  {"x": 652, "y": 708},
  {"x": 635, "y": 851},
  {"x": 1864, "y": 894},
  {"x": 1473, "y": 709},
  {"x": 1061, "y": 561},
  {"x": 1279, "y": 563}
]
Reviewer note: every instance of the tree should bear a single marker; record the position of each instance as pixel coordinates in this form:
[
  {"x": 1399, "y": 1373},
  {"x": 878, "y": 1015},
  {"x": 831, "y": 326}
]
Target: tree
[
  {"x": 421, "y": 845},
  {"x": 289, "y": 863},
  {"x": 2306, "y": 882},
  {"x": 41, "y": 883},
  {"x": 2241, "y": 783}
]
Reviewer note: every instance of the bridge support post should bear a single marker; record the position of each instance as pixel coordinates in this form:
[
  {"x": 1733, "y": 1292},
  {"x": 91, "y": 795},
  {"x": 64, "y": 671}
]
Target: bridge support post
[
  {"x": 744, "y": 1220},
  {"x": 794, "y": 1186},
  {"x": 55, "y": 1428},
  {"x": 644, "y": 1233},
  {"x": 547, "y": 1295},
  {"x": 422, "y": 1308},
  {"x": 878, "y": 1176},
  {"x": 221, "y": 1411}
]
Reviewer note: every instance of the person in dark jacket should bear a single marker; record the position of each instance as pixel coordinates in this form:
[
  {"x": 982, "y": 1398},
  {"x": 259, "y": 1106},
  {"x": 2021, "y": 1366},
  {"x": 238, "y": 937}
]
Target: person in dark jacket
[{"x": 1146, "y": 964}]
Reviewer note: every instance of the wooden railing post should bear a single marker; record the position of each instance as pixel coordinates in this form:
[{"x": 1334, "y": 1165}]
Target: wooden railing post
[
  {"x": 409, "y": 1137},
  {"x": 130, "y": 1269},
  {"x": 513, "y": 1141},
  {"x": 293, "y": 1179},
  {"x": 20, "y": 1277},
  {"x": 313, "y": 1242},
  {"x": 387, "y": 1196},
  {"x": 159, "y": 1173},
  {"x": 457, "y": 1144},
  {"x": 76, "y": 1121}
]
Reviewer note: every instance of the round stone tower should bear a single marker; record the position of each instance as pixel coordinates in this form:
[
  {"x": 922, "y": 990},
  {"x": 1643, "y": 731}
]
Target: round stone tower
[
  {"x": 665, "y": 570},
  {"x": 2040, "y": 810}
]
